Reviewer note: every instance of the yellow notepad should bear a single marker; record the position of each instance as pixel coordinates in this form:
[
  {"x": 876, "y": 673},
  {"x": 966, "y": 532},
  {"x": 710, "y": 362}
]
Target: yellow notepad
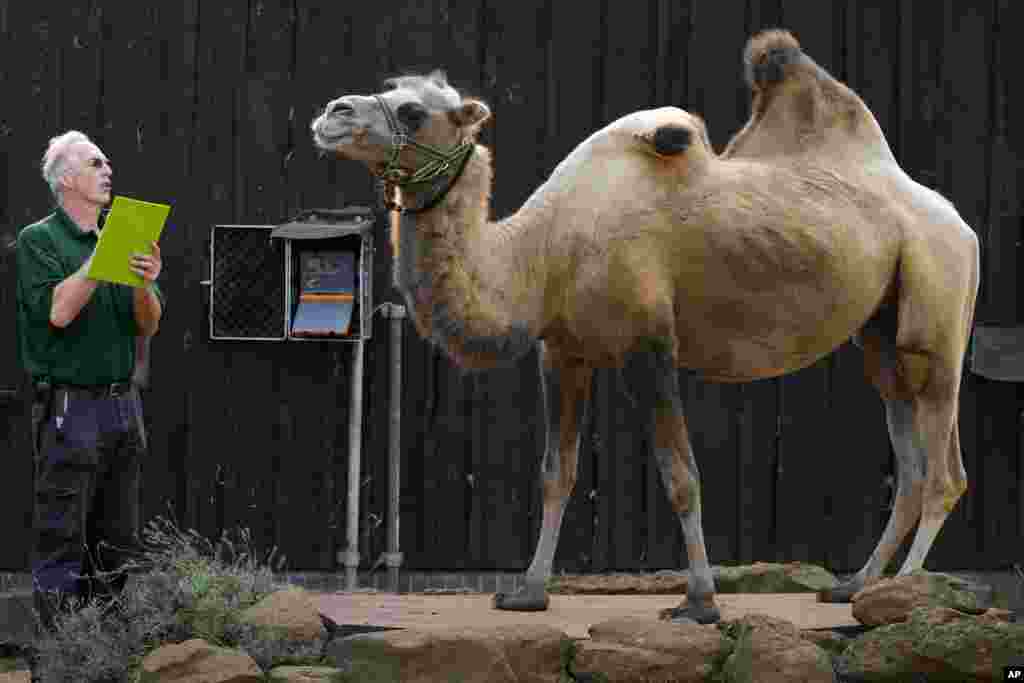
[{"x": 131, "y": 227}]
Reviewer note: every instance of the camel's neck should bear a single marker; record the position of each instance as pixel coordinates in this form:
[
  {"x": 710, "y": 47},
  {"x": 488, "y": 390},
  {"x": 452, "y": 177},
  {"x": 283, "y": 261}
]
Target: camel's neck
[{"x": 465, "y": 279}]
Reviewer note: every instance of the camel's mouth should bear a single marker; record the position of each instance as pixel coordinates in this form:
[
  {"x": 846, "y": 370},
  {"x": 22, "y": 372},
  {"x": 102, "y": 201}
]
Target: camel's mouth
[{"x": 332, "y": 139}]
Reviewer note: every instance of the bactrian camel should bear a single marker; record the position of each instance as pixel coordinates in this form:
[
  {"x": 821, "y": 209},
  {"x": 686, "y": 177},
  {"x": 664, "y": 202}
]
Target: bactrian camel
[{"x": 644, "y": 243}]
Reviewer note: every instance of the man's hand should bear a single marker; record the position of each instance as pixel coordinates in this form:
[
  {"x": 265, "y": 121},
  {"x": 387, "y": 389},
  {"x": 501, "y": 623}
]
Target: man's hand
[
  {"x": 147, "y": 267},
  {"x": 147, "y": 306},
  {"x": 84, "y": 270}
]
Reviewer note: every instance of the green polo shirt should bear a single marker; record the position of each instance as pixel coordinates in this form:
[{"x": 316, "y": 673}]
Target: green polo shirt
[{"x": 98, "y": 347}]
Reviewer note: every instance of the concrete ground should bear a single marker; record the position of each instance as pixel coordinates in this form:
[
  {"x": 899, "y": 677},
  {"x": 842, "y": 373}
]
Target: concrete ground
[{"x": 573, "y": 614}]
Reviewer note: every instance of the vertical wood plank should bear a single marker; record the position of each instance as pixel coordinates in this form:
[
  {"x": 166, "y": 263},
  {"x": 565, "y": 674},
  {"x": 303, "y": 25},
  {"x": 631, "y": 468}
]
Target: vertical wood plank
[
  {"x": 33, "y": 36},
  {"x": 669, "y": 53},
  {"x": 14, "y": 415},
  {"x": 966, "y": 91},
  {"x": 327, "y": 39},
  {"x": 574, "y": 54},
  {"x": 999, "y": 409},
  {"x": 630, "y": 40},
  {"x": 194, "y": 255},
  {"x": 219, "y": 424},
  {"x": 716, "y": 48},
  {"x": 514, "y": 86},
  {"x": 757, "y": 418},
  {"x": 81, "y": 64},
  {"x": 601, "y": 435},
  {"x": 142, "y": 135},
  {"x": 857, "y": 503},
  {"x": 804, "y": 395},
  {"x": 276, "y": 494},
  {"x": 1010, "y": 114}
]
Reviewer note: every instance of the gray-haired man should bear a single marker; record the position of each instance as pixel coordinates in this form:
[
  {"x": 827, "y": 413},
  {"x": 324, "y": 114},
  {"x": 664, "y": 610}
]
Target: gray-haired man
[{"x": 76, "y": 338}]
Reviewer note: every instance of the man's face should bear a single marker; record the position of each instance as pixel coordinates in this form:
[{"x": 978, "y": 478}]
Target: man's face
[{"x": 88, "y": 175}]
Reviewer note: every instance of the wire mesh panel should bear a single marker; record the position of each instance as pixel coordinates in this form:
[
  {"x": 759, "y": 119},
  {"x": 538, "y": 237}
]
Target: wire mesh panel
[{"x": 247, "y": 289}]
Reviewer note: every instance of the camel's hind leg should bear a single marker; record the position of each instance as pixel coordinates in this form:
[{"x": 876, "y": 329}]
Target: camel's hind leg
[
  {"x": 565, "y": 394},
  {"x": 657, "y": 391},
  {"x": 906, "y": 510},
  {"x": 945, "y": 480}
]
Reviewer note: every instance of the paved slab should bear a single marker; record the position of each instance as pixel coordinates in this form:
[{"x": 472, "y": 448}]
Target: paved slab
[{"x": 573, "y": 614}]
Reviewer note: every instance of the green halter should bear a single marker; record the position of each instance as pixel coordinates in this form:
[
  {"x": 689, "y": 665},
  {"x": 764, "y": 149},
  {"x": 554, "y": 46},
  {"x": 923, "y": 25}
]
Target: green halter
[{"x": 440, "y": 162}]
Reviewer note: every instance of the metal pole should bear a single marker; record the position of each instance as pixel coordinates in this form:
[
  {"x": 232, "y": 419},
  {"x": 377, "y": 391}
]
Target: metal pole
[
  {"x": 351, "y": 556},
  {"x": 393, "y": 558}
]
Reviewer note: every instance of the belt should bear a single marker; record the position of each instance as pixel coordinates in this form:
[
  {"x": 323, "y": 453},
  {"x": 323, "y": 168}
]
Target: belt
[{"x": 95, "y": 390}]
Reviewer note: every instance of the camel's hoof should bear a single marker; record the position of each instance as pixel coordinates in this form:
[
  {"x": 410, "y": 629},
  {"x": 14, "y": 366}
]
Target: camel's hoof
[
  {"x": 525, "y": 600},
  {"x": 700, "y": 614},
  {"x": 671, "y": 140},
  {"x": 841, "y": 593}
]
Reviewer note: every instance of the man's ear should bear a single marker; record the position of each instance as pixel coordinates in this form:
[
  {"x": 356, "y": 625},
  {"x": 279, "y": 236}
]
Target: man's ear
[{"x": 470, "y": 113}]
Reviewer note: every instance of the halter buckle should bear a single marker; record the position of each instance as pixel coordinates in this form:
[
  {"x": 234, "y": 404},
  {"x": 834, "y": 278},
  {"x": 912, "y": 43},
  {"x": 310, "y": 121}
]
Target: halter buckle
[{"x": 399, "y": 140}]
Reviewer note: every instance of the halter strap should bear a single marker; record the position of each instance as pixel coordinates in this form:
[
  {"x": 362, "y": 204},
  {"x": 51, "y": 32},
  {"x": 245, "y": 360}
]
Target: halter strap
[{"x": 440, "y": 161}]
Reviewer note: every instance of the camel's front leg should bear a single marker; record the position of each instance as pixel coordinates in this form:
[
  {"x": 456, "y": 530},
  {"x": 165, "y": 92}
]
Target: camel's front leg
[
  {"x": 657, "y": 389},
  {"x": 565, "y": 393}
]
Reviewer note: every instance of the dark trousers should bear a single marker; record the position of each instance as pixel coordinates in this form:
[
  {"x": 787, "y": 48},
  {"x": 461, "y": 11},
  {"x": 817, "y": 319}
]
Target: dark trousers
[{"x": 88, "y": 460}]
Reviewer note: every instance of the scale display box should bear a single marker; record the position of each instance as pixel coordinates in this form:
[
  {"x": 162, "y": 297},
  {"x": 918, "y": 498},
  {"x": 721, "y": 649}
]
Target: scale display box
[{"x": 309, "y": 279}]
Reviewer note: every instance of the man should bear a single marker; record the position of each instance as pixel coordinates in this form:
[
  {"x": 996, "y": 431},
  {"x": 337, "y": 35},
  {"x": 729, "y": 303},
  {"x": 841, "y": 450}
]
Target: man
[{"x": 76, "y": 338}]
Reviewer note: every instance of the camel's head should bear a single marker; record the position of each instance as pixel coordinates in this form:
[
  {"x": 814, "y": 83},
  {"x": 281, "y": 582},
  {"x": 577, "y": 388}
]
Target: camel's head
[{"x": 426, "y": 109}]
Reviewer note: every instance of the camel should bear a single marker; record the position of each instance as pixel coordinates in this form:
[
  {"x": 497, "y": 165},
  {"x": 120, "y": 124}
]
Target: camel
[{"x": 645, "y": 244}]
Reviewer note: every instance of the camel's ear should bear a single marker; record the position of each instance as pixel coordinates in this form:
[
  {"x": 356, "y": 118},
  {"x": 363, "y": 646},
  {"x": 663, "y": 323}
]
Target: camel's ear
[
  {"x": 470, "y": 113},
  {"x": 439, "y": 77}
]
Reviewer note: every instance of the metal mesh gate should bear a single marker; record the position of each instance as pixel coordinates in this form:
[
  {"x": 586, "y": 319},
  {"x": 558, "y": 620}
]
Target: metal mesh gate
[{"x": 247, "y": 289}]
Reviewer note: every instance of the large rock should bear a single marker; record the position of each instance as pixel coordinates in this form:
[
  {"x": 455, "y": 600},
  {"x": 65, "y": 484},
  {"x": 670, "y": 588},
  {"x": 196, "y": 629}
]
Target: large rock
[
  {"x": 197, "y": 661},
  {"x": 769, "y": 650},
  {"x": 760, "y": 577},
  {"x": 289, "y": 617},
  {"x": 643, "y": 649},
  {"x": 938, "y": 642},
  {"x": 503, "y": 654},
  {"x": 290, "y": 614},
  {"x": 890, "y": 601}
]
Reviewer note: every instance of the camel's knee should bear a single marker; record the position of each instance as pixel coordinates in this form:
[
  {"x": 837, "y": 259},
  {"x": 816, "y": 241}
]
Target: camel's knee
[
  {"x": 897, "y": 374},
  {"x": 941, "y": 494},
  {"x": 558, "y": 487},
  {"x": 558, "y": 477},
  {"x": 682, "y": 483}
]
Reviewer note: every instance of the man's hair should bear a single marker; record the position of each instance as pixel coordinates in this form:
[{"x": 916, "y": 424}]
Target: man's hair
[{"x": 55, "y": 160}]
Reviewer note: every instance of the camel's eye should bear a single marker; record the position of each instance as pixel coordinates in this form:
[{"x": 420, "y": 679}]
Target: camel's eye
[{"x": 412, "y": 115}]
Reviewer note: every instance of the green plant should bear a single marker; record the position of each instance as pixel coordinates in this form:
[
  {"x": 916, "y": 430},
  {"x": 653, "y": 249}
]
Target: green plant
[{"x": 184, "y": 587}]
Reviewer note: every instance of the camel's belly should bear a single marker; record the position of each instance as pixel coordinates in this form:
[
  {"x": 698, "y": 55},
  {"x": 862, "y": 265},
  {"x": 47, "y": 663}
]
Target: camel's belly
[{"x": 731, "y": 329}]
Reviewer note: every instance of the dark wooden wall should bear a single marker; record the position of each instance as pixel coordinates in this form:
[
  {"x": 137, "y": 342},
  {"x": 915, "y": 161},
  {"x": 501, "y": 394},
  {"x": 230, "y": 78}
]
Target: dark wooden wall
[{"x": 206, "y": 105}]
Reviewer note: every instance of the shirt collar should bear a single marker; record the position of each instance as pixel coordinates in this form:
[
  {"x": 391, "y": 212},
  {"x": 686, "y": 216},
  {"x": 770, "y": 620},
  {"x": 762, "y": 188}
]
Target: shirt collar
[{"x": 71, "y": 227}]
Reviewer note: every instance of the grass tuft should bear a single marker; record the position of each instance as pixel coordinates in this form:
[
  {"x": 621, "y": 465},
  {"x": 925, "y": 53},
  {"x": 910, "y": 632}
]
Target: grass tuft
[{"x": 183, "y": 587}]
